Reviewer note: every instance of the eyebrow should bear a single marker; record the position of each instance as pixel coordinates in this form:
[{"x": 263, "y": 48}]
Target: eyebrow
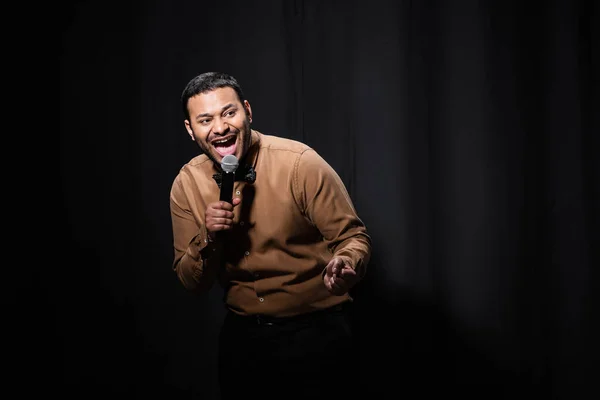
[{"x": 208, "y": 114}]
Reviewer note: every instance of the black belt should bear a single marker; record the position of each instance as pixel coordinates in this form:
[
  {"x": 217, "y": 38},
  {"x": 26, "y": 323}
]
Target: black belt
[{"x": 267, "y": 320}]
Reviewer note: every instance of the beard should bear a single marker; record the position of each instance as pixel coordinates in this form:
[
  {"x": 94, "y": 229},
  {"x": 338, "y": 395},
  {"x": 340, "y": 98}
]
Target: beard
[{"x": 245, "y": 142}]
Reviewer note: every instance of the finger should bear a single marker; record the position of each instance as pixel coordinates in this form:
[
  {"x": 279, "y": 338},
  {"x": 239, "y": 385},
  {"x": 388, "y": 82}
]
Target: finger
[
  {"x": 347, "y": 272},
  {"x": 339, "y": 281},
  {"x": 223, "y": 213},
  {"x": 221, "y": 205},
  {"x": 338, "y": 285},
  {"x": 226, "y": 206},
  {"x": 222, "y": 220},
  {"x": 335, "y": 264},
  {"x": 220, "y": 227},
  {"x": 349, "y": 279},
  {"x": 219, "y": 215},
  {"x": 332, "y": 282},
  {"x": 213, "y": 223},
  {"x": 236, "y": 201},
  {"x": 329, "y": 267}
]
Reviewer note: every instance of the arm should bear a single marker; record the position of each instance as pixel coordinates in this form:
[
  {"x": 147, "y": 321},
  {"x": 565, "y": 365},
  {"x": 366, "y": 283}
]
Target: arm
[
  {"x": 322, "y": 196},
  {"x": 197, "y": 260}
]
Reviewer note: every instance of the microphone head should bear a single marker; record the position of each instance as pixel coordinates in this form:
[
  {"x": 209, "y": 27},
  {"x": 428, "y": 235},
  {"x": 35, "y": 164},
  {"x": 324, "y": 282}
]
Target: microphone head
[{"x": 229, "y": 163}]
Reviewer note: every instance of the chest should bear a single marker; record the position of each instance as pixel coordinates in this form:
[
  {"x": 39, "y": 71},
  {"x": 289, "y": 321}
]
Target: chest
[{"x": 269, "y": 209}]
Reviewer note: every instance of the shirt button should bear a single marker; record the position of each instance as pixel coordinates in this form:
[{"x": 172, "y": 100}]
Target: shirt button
[
  {"x": 261, "y": 299},
  {"x": 247, "y": 253},
  {"x": 242, "y": 223}
]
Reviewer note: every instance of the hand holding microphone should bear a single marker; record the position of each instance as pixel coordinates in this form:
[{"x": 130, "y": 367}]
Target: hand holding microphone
[{"x": 219, "y": 215}]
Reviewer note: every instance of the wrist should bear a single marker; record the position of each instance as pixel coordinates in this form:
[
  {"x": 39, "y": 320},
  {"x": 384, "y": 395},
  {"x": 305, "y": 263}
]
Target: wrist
[
  {"x": 211, "y": 237},
  {"x": 210, "y": 249}
]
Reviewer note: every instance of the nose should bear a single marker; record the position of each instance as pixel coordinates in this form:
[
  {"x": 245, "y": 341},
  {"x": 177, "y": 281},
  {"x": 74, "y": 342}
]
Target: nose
[{"x": 220, "y": 127}]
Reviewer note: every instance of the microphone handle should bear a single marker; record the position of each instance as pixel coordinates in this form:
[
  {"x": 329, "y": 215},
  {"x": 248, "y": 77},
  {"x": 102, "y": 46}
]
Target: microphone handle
[{"x": 227, "y": 180}]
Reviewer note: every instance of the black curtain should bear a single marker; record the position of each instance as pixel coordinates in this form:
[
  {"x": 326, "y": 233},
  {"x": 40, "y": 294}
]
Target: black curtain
[{"x": 466, "y": 133}]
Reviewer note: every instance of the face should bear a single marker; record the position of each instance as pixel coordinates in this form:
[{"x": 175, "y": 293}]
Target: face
[{"x": 219, "y": 123}]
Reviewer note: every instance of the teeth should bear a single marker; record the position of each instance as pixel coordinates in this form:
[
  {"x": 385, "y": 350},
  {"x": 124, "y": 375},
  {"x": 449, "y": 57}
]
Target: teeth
[{"x": 221, "y": 141}]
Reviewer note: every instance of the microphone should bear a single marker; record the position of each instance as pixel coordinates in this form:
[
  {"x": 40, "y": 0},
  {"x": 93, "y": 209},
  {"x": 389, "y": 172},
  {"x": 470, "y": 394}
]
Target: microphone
[{"x": 229, "y": 164}]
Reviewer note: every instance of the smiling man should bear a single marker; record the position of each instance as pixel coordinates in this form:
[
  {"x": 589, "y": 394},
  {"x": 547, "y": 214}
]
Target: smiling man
[{"x": 286, "y": 250}]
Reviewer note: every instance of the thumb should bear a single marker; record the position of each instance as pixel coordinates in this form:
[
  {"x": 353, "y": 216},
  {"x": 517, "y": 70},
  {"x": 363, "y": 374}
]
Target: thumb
[{"x": 331, "y": 266}]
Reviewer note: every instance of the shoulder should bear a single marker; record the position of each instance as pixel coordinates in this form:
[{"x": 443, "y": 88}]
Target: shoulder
[
  {"x": 196, "y": 170},
  {"x": 199, "y": 162},
  {"x": 280, "y": 144},
  {"x": 292, "y": 152}
]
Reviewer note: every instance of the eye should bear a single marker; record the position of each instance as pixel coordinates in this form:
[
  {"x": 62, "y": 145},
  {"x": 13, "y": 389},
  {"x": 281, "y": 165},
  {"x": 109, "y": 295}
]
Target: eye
[
  {"x": 204, "y": 121},
  {"x": 230, "y": 113}
]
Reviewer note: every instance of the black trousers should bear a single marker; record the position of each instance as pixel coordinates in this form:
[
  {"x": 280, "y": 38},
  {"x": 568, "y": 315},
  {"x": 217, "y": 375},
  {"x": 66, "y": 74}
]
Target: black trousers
[{"x": 305, "y": 357}]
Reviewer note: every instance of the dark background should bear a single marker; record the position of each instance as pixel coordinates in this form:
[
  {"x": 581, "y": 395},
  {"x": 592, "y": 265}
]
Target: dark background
[{"x": 466, "y": 133}]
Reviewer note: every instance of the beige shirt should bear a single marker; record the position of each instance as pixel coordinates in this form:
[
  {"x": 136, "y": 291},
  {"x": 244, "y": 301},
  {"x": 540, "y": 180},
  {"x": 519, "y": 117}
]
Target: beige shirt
[{"x": 291, "y": 221}]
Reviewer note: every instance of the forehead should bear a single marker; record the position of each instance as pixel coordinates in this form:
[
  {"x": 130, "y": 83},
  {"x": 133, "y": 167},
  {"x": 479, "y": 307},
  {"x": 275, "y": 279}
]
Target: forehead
[{"x": 213, "y": 101}]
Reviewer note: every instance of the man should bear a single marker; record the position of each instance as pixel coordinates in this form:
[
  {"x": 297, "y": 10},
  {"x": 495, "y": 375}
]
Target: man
[{"x": 286, "y": 250}]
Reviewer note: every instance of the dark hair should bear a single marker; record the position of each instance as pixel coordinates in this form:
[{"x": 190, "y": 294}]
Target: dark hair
[{"x": 207, "y": 82}]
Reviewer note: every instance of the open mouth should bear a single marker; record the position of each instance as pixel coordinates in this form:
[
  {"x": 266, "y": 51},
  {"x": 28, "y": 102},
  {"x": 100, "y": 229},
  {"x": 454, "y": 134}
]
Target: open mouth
[{"x": 225, "y": 146}]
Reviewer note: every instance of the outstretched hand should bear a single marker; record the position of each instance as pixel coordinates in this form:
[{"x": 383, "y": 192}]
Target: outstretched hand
[{"x": 339, "y": 277}]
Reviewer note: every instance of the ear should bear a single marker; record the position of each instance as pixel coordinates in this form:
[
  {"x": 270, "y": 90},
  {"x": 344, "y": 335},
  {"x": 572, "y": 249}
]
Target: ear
[
  {"x": 248, "y": 110},
  {"x": 189, "y": 129}
]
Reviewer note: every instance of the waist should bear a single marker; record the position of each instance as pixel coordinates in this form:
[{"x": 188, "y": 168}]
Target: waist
[{"x": 259, "y": 319}]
